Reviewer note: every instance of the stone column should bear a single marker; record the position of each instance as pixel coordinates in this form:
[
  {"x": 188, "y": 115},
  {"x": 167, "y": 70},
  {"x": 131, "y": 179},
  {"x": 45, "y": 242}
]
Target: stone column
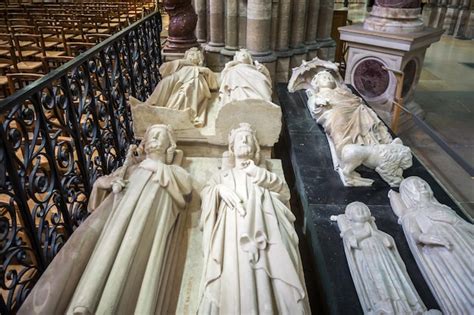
[
  {"x": 429, "y": 12},
  {"x": 282, "y": 45},
  {"x": 259, "y": 33},
  {"x": 242, "y": 23},
  {"x": 231, "y": 28},
  {"x": 216, "y": 35},
  {"x": 298, "y": 32},
  {"x": 463, "y": 20},
  {"x": 469, "y": 30},
  {"x": 429, "y": 18},
  {"x": 284, "y": 27},
  {"x": 259, "y": 14},
  {"x": 201, "y": 27},
  {"x": 274, "y": 27},
  {"x": 216, "y": 25},
  {"x": 231, "y": 23},
  {"x": 452, "y": 13},
  {"x": 440, "y": 14},
  {"x": 326, "y": 8},
  {"x": 312, "y": 28},
  {"x": 181, "y": 28}
]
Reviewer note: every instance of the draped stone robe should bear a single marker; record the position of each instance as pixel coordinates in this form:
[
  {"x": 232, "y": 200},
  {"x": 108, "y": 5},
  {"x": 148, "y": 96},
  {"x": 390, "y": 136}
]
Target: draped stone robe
[
  {"x": 252, "y": 263},
  {"x": 185, "y": 85},
  {"x": 241, "y": 81},
  {"x": 346, "y": 119},
  {"x": 130, "y": 266},
  {"x": 120, "y": 260},
  {"x": 449, "y": 272},
  {"x": 378, "y": 272}
]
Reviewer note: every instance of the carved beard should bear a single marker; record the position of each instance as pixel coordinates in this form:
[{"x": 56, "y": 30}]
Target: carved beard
[{"x": 243, "y": 151}]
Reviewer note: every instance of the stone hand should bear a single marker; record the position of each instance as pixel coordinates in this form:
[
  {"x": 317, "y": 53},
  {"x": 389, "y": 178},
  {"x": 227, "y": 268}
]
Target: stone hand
[
  {"x": 118, "y": 185},
  {"x": 388, "y": 242},
  {"x": 353, "y": 243},
  {"x": 251, "y": 170},
  {"x": 231, "y": 199},
  {"x": 429, "y": 239}
]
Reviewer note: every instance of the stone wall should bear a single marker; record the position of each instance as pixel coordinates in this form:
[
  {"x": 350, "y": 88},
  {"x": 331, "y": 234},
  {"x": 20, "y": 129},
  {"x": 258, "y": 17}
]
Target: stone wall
[{"x": 278, "y": 33}]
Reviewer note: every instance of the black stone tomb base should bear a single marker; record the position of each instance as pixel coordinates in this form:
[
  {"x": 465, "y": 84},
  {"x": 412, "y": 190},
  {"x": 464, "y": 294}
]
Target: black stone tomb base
[{"x": 319, "y": 193}]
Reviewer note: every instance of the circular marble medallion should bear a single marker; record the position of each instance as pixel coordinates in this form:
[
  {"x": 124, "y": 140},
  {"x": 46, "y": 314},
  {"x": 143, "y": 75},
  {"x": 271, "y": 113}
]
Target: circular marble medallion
[{"x": 370, "y": 79}]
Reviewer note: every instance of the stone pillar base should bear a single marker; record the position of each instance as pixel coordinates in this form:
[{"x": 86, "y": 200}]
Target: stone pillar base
[
  {"x": 283, "y": 68},
  {"x": 327, "y": 49},
  {"x": 312, "y": 50},
  {"x": 269, "y": 61},
  {"x": 299, "y": 54},
  {"x": 394, "y": 20},
  {"x": 370, "y": 52},
  {"x": 170, "y": 56},
  {"x": 179, "y": 45},
  {"x": 215, "y": 60}
]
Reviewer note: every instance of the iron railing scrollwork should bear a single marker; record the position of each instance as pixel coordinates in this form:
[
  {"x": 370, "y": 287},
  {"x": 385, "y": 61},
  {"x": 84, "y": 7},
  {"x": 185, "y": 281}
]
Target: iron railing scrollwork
[{"x": 57, "y": 136}]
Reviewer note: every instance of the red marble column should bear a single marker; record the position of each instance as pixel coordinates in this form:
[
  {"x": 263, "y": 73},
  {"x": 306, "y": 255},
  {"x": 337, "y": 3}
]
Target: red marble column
[{"x": 183, "y": 21}]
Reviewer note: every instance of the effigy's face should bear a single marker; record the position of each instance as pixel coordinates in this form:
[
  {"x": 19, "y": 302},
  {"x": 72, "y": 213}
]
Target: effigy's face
[
  {"x": 195, "y": 58},
  {"x": 157, "y": 140},
  {"x": 324, "y": 80},
  {"x": 424, "y": 190},
  {"x": 244, "y": 145},
  {"x": 243, "y": 57},
  {"x": 358, "y": 213}
]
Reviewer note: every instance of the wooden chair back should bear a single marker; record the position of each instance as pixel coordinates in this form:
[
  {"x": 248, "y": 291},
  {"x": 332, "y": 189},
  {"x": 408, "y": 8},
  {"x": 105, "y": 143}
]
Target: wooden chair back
[
  {"x": 17, "y": 81},
  {"x": 53, "y": 34},
  {"x": 34, "y": 50},
  {"x": 76, "y": 48},
  {"x": 53, "y": 62}
]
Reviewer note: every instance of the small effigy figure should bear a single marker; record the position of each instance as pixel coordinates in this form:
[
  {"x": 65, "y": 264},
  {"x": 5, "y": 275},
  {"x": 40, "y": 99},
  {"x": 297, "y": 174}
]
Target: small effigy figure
[
  {"x": 378, "y": 272},
  {"x": 185, "y": 84},
  {"x": 243, "y": 79},
  {"x": 441, "y": 242},
  {"x": 251, "y": 259}
]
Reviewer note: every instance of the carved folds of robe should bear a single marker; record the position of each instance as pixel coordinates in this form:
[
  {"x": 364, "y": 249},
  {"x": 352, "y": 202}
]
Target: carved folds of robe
[
  {"x": 252, "y": 263},
  {"x": 131, "y": 264},
  {"x": 128, "y": 268},
  {"x": 347, "y": 120},
  {"x": 185, "y": 85},
  {"x": 450, "y": 272},
  {"x": 378, "y": 272},
  {"x": 242, "y": 81}
]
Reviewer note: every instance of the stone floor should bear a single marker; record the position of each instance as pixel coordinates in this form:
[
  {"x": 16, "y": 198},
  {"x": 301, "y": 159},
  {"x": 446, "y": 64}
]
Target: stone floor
[{"x": 446, "y": 93}]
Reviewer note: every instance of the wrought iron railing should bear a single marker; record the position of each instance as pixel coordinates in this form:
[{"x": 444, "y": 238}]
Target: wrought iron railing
[{"x": 57, "y": 136}]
